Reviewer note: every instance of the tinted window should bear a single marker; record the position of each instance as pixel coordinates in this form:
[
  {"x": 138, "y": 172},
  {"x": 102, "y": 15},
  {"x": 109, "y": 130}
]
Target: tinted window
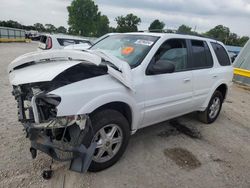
[
  {"x": 202, "y": 57},
  {"x": 173, "y": 51},
  {"x": 221, "y": 54}
]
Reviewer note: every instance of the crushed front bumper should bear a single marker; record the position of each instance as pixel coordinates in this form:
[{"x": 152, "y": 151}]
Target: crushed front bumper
[{"x": 68, "y": 146}]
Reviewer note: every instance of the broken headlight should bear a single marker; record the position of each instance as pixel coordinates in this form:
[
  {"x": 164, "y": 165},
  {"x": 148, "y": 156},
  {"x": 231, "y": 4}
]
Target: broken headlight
[{"x": 45, "y": 107}]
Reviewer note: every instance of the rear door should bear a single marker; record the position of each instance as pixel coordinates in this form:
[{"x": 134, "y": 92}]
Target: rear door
[{"x": 203, "y": 72}]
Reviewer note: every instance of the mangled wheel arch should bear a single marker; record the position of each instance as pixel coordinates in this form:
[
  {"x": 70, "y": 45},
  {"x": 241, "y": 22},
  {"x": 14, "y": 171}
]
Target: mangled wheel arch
[{"x": 115, "y": 98}]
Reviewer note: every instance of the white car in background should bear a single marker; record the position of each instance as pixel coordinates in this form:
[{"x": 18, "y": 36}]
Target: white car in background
[
  {"x": 86, "y": 46},
  {"x": 81, "y": 47},
  {"x": 59, "y": 41},
  {"x": 88, "y": 103}
]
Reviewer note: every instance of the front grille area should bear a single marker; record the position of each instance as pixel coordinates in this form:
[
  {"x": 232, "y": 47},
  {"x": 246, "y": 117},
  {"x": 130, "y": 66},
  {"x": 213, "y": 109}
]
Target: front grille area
[
  {"x": 45, "y": 109},
  {"x": 25, "y": 112}
]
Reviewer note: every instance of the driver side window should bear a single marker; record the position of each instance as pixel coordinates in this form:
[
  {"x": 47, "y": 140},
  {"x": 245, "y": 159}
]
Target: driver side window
[{"x": 173, "y": 51}]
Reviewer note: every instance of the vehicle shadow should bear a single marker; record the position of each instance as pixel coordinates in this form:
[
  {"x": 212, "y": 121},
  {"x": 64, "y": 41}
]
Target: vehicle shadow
[{"x": 187, "y": 125}]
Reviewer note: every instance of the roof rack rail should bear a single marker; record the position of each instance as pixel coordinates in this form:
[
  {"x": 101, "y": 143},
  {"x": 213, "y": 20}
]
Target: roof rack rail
[
  {"x": 176, "y": 32},
  {"x": 159, "y": 30}
]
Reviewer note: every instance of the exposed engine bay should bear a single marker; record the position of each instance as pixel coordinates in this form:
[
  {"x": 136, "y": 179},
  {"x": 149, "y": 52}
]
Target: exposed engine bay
[
  {"x": 59, "y": 137},
  {"x": 53, "y": 121}
]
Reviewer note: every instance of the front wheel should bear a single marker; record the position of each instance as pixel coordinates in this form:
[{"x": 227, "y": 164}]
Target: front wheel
[
  {"x": 213, "y": 109},
  {"x": 111, "y": 133}
]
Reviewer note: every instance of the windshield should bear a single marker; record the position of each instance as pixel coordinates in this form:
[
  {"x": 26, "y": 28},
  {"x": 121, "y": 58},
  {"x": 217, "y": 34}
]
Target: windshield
[{"x": 129, "y": 48}]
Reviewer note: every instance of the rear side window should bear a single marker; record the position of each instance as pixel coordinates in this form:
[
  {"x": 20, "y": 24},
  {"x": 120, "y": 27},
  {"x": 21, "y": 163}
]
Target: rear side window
[
  {"x": 202, "y": 57},
  {"x": 221, "y": 54}
]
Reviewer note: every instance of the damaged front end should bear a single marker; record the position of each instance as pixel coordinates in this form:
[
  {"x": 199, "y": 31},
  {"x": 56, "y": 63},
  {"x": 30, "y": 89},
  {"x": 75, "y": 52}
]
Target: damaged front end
[
  {"x": 59, "y": 137},
  {"x": 35, "y": 76}
]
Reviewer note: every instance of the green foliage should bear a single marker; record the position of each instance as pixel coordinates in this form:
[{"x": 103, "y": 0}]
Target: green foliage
[
  {"x": 50, "y": 28},
  {"x": 112, "y": 30},
  {"x": 39, "y": 27},
  {"x": 242, "y": 40},
  {"x": 184, "y": 29},
  {"x": 61, "y": 29},
  {"x": 15, "y": 24},
  {"x": 156, "y": 25},
  {"x": 85, "y": 19},
  {"x": 224, "y": 35},
  {"x": 102, "y": 26},
  {"x": 11, "y": 23},
  {"x": 127, "y": 23},
  {"x": 220, "y": 33}
]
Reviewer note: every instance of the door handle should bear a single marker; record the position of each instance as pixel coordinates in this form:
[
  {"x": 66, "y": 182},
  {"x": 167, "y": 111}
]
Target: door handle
[
  {"x": 187, "y": 80},
  {"x": 215, "y": 76}
]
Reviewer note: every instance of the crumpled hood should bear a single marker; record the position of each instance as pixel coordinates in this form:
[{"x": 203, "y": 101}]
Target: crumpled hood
[
  {"x": 45, "y": 65},
  {"x": 41, "y": 56}
]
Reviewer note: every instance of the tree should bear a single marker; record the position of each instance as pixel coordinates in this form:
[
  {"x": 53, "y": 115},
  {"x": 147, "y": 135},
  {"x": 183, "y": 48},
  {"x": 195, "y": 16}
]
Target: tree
[
  {"x": 233, "y": 39},
  {"x": 220, "y": 33},
  {"x": 128, "y": 23},
  {"x": 102, "y": 26},
  {"x": 11, "y": 23},
  {"x": 112, "y": 30},
  {"x": 85, "y": 19},
  {"x": 184, "y": 29},
  {"x": 61, "y": 29},
  {"x": 156, "y": 25},
  {"x": 242, "y": 40},
  {"x": 50, "y": 28},
  {"x": 39, "y": 27}
]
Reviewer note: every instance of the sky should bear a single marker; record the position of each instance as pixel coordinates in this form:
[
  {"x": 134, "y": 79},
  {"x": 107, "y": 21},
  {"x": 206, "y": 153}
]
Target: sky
[{"x": 201, "y": 15}]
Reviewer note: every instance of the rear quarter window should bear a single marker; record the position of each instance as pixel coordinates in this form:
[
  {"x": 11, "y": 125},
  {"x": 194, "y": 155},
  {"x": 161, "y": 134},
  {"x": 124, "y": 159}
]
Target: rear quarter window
[{"x": 221, "y": 54}]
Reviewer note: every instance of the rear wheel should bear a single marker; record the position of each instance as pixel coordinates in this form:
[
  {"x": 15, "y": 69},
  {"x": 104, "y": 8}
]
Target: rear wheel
[
  {"x": 111, "y": 133},
  {"x": 213, "y": 109}
]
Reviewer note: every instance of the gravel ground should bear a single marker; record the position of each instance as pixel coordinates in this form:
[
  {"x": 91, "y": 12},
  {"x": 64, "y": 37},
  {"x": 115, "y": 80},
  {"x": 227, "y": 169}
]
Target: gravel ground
[{"x": 182, "y": 153}]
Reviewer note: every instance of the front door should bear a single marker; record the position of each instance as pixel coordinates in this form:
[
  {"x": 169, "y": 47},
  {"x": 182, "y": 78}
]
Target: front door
[{"x": 170, "y": 94}]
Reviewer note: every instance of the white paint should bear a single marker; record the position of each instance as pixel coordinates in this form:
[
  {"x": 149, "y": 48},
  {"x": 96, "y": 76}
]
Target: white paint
[{"x": 151, "y": 98}]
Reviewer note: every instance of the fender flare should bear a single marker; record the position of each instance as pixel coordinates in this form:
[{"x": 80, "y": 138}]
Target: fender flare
[{"x": 219, "y": 83}]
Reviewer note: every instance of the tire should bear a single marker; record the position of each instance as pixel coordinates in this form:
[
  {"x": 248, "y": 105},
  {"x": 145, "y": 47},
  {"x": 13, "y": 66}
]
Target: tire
[
  {"x": 108, "y": 120},
  {"x": 207, "y": 116}
]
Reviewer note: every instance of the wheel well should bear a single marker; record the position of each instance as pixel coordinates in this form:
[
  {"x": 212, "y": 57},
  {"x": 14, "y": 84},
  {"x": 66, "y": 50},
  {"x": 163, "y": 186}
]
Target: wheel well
[
  {"x": 223, "y": 89},
  {"x": 121, "y": 107}
]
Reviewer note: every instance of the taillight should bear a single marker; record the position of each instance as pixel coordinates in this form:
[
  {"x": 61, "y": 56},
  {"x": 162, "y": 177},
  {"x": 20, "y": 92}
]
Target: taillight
[{"x": 49, "y": 43}]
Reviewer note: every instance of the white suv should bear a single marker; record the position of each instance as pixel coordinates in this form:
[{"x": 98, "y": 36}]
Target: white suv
[{"x": 85, "y": 105}]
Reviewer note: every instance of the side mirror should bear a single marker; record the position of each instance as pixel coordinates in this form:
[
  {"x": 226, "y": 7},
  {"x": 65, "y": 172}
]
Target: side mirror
[{"x": 161, "y": 67}]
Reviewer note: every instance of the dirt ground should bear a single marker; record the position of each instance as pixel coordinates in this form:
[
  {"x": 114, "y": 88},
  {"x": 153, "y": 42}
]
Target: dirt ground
[{"x": 183, "y": 153}]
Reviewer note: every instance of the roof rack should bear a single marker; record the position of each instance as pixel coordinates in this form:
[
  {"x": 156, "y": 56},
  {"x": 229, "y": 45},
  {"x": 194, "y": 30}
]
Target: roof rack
[
  {"x": 176, "y": 32},
  {"x": 197, "y": 35},
  {"x": 159, "y": 31}
]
